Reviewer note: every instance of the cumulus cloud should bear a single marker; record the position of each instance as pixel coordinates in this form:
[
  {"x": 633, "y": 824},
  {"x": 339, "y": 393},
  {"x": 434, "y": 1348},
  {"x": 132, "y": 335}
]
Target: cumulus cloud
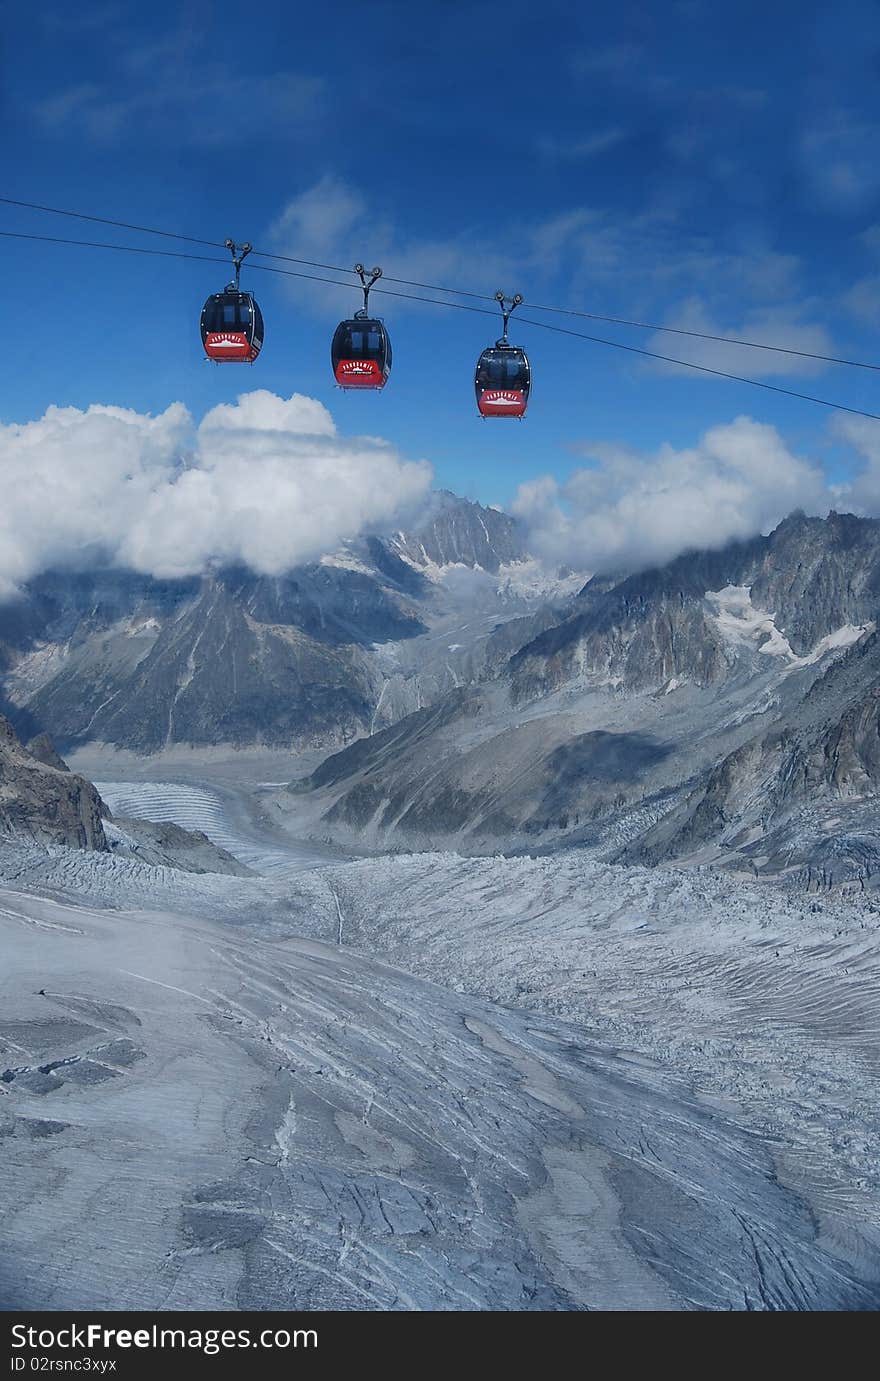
[
  {"x": 266, "y": 481},
  {"x": 631, "y": 510}
]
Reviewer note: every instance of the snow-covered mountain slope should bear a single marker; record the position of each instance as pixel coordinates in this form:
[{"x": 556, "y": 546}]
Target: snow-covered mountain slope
[
  {"x": 810, "y": 579},
  {"x": 630, "y": 703},
  {"x": 457, "y": 533},
  {"x": 800, "y": 795}
]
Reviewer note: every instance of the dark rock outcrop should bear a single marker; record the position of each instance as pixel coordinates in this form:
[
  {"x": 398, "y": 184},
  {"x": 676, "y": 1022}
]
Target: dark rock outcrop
[
  {"x": 45, "y": 803},
  {"x": 167, "y": 845},
  {"x": 42, "y": 747}
]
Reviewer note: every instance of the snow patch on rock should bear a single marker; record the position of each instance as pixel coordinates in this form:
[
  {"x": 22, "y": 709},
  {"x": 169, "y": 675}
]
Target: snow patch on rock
[{"x": 742, "y": 625}]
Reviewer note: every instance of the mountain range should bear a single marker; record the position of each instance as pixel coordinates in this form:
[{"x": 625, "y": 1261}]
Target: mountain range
[
  {"x": 314, "y": 658},
  {"x": 720, "y": 708},
  {"x": 723, "y": 707}
]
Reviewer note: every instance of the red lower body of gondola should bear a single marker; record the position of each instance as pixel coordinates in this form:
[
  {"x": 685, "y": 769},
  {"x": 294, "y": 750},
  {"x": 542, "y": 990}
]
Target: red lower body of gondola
[
  {"x": 502, "y": 402},
  {"x": 233, "y": 346},
  {"x": 359, "y": 374}
]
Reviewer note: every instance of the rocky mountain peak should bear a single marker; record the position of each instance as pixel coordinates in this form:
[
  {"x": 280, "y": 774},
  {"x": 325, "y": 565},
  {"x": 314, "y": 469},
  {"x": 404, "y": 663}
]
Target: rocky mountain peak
[{"x": 458, "y": 531}]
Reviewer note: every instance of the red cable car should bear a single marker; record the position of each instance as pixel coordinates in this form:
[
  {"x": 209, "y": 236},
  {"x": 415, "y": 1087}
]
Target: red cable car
[
  {"x": 360, "y": 352},
  {"x": 232, "y": 323},
  {"x": 503, "y": 376}
]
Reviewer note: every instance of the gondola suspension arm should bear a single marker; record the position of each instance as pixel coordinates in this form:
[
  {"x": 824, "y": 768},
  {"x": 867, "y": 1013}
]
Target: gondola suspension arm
[
  {"x": 239, "y": 253},
  {"x": 506, "y": 311},
  {"x": 362, "y": 274}
]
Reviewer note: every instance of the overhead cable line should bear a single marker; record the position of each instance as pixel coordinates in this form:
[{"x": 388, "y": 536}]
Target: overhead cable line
[
  {"x": 166, "y": 234},
  {"x": 457, "y": 306},
  {"x": 703, "y": 368},
  {"x": 705, "y": 335},
  {"x": 104, "y": 220},
  {"x": 167, "y": 254},
  {"x": 463, "y": 292}
]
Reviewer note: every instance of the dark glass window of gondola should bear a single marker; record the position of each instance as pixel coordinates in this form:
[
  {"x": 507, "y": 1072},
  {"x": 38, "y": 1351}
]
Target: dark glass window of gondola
[
  {"x": 503, "y": 369},
  {"x": 223, "y": 315},
  {"x": 358, "y": 343}
]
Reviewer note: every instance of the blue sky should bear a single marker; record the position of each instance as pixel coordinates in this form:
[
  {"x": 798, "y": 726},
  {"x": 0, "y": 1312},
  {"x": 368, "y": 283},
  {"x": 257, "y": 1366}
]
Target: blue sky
[{"x": 682, "y": 163}]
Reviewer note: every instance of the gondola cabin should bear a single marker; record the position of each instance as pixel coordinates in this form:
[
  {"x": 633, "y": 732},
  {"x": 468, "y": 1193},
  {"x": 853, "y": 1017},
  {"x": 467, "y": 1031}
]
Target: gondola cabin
[
  {"x": 502, "y": 381},
  {"x": 232, "y": 327},
  {"x": 360, "y": 353}
]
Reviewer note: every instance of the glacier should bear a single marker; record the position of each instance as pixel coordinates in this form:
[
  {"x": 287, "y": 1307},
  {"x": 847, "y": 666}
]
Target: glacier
[{"x": 430, "y": 1081}]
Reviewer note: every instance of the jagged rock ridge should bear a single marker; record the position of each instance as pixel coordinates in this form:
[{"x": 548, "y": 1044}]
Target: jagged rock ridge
[
  {"x": 457, "y": 533},
  {"x": 715, "y": 693},
  {"x": 813, "y": 575}
]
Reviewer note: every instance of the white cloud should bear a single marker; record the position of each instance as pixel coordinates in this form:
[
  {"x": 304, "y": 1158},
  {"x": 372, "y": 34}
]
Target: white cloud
[
  {"x": 862, "y": 494},
  {"x": 262, "y": 413},
  {"x": 579, "y": 254},
  {"x": 631, "y": 510},
  {"x": 334, "y": 223},
  {"x": 768, "y": 327},
  {"x": 267, "y": 481},
  {"x": 630, "y": 265}
]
